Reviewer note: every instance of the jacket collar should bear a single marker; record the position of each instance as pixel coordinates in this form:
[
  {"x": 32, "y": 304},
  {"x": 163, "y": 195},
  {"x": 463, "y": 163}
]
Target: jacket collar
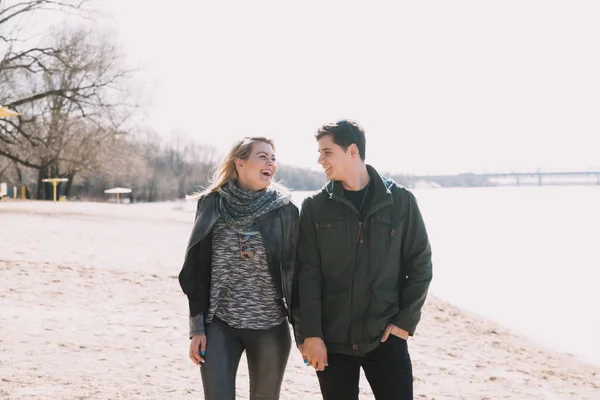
[
  {"x": 382, "y": 195},
  {"x": 206, "y": 216}
]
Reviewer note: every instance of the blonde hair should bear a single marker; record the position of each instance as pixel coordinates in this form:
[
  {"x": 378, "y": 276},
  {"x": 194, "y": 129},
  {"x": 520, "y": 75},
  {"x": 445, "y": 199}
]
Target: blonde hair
[{"x": 225, "y": 171}]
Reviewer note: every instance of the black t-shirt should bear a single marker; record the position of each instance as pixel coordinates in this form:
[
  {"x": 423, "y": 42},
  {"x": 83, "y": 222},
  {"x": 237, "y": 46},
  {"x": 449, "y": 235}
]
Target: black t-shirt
[{"x": 360, "y": 198}]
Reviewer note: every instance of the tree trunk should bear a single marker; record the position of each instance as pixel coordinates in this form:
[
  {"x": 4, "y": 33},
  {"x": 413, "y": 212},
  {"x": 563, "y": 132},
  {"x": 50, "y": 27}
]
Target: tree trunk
[
  {"x": 43, "y": 188},
  {"x": 19, "y": 172},
  {"x": 181, "y": 188},
  {"x": 69, "y": 183},
  {"x": 46, "y": 189}
]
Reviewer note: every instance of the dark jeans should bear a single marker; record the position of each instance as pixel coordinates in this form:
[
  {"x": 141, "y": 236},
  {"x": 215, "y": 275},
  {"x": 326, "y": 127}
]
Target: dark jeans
[
  {"x": 267, "y": 352},
  {"x": 387, "y": 368}
]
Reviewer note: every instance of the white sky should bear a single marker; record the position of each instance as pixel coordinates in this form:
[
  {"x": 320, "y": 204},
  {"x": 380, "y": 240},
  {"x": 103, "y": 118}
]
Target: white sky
[{"x": 439, "y": 86}]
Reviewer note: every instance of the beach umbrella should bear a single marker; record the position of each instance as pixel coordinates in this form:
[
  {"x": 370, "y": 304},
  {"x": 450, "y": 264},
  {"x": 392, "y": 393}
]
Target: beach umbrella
[
  {"x": 5, "y": 112},
  {"x": 55, "y": 182},
  {"x": 118, "y": 192}
]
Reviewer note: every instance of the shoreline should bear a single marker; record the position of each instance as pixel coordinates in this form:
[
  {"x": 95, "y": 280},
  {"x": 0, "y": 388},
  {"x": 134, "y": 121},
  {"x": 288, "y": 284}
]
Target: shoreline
[{"x": 527, "y": 337}]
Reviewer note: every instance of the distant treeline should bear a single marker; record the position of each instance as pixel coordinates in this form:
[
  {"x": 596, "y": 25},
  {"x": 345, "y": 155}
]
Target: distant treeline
[{"x": 156, "y": 169}]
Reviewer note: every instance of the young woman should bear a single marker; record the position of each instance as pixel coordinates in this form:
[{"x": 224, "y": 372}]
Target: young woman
[{"x": 238, "y": 273}]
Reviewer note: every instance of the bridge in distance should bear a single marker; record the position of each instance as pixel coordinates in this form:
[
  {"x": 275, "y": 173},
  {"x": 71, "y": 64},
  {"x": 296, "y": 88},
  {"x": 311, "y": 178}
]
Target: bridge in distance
[{"x": 514, "y": 179}]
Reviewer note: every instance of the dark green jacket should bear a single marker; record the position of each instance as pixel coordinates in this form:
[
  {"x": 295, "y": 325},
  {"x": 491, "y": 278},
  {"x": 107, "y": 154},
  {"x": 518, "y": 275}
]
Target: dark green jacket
[{"x": 356, "y": 277}]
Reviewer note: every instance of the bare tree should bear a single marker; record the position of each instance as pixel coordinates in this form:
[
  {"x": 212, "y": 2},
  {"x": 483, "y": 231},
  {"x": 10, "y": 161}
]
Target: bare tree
[{"x": 76, "y": 77}]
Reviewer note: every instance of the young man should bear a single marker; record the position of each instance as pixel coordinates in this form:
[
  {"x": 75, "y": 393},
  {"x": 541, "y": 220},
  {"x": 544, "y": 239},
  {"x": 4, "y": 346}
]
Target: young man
[{"x": 364, "y": 272}]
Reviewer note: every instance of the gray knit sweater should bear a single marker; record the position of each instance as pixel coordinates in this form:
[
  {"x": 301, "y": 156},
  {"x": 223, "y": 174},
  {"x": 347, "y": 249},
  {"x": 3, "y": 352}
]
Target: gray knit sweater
[{"x": 243, "y": 293}]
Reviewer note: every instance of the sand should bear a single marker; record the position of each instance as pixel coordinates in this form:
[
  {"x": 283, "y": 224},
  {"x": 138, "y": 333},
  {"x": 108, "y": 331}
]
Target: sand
[{"x": 90, "y": 308}]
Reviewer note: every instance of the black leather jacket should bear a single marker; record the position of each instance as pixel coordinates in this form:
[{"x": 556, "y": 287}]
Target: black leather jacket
[{"x": 279, "y": 229}]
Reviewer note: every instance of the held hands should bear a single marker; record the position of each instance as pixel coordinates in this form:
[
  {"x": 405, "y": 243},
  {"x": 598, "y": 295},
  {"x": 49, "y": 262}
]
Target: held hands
[
  {"x": 198, "y": 349},
  {"x": 314, "y": 352},
  {"x": 394, "y": 330}
]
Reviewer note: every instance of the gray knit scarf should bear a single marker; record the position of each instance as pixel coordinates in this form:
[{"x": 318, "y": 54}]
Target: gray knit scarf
[{"x": 240, "y": 208}]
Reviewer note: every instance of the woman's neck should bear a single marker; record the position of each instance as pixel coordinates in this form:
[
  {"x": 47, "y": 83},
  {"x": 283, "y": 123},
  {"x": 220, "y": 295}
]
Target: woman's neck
[{"x": 247, "y": 187}]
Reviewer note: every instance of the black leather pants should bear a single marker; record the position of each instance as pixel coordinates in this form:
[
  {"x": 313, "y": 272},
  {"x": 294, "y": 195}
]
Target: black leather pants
[{"x": 267, "y": 353}]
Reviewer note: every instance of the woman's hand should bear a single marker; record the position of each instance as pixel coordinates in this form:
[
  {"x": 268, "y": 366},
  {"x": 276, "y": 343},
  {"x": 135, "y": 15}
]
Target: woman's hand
[
  {"x": 315, "y": 352},
  {"x": 198, "y": 349}
]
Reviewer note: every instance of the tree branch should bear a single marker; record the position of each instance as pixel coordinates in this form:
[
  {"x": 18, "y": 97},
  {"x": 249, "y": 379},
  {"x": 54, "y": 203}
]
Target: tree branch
[
  {"x": 19, "y": 160},
  {"x": 23, "y": 7}
]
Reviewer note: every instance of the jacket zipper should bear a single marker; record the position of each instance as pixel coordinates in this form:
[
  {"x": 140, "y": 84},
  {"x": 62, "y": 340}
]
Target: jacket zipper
[
  {"x": 355, "y": 264},
  {"x": 288, "y": 309}
]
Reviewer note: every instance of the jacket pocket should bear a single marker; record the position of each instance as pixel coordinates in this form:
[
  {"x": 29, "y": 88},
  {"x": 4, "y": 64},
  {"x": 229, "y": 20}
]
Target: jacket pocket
[
  {"x": 382, "y": 307},
  {"x": 382, "y": 229},
  {"x": 335, "y": 317},
  {"x": 332, "y": 238},
  {"x": 385, "y": 246}
]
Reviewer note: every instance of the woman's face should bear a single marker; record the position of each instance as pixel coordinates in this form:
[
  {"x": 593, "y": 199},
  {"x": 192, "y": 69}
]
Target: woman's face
[{"x": 257, "y": 171}]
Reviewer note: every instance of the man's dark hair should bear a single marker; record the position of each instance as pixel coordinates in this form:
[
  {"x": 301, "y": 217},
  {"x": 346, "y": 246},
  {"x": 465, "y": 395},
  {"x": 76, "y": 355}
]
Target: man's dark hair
[{"x": 344, "y": 133}]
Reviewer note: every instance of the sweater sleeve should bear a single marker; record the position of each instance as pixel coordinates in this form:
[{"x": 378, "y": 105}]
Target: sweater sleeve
[{"x": 197, "y": 325}]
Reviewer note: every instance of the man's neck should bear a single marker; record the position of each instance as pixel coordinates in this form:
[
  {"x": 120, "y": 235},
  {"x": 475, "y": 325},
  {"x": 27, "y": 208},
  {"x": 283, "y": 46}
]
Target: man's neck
[{"x": 357, "y": 180}]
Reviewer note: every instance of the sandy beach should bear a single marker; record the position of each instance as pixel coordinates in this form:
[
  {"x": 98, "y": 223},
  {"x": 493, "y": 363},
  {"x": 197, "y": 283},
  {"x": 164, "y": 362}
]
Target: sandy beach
[{"x": 90, "y": 308}]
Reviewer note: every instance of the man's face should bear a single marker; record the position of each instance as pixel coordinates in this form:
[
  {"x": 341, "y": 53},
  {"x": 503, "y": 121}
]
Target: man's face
[{"x": 335, "y": 161}]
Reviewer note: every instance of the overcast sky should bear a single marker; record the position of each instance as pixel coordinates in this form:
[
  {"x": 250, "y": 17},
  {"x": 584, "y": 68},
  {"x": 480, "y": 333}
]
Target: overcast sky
[{"x": 439, "y": 86}]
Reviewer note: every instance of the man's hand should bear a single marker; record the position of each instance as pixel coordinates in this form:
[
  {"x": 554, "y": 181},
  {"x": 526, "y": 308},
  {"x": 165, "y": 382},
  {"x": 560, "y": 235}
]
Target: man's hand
[
  {"x": 315, "y": 352},
  {"x": 394, "y": 330},
  {"x": 198, "y": 349}
]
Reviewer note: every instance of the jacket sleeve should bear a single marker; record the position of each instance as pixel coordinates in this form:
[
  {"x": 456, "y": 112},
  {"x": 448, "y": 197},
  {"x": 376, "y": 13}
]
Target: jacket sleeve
[
  {"x": 416, "y": 267},
  {"x": 190, "y": 278},
  {"x": 295, "y": 301},
  {"x": 309, "y": 277}
]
